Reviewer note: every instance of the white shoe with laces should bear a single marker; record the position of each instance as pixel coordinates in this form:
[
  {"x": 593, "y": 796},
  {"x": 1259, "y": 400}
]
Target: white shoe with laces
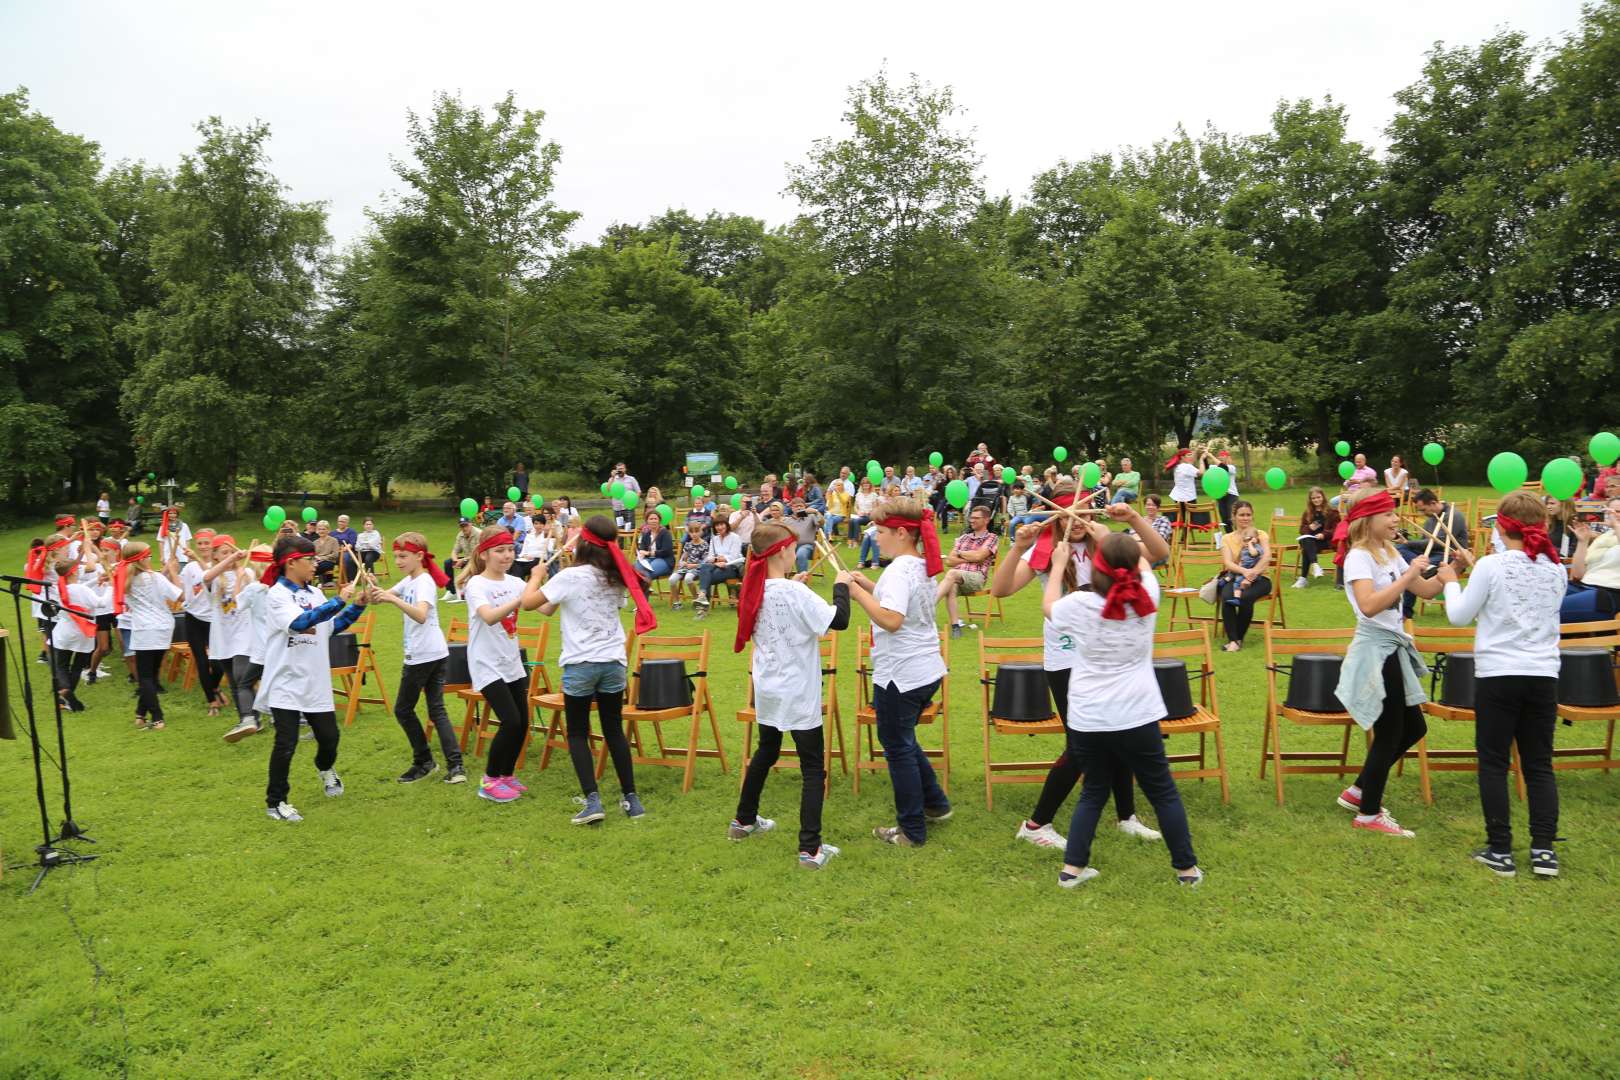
[
  {"x": 1132, "y": 826},
  {"x": 1316, "y": 571},
  {"x": 334, "y": 785},
  {"x": 1045, "y": 836},
  {"x": 283, "y": 812},
  {"x": 1300, "y": 583}
]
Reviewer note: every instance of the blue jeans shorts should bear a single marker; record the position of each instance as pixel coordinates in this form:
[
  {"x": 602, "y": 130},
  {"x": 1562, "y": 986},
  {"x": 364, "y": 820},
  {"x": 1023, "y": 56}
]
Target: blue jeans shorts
[{"x": 584, "y": 680}]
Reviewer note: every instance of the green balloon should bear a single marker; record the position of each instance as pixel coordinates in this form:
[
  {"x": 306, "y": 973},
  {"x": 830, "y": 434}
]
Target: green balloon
[
  {"x": 731, "y": 483},
  {"x": 151, "y": 476},
  {"x": 1008, "y": 476},
  {"x": 1433, "y": 453},
  {"x": 1090, "y": 475},
  {"x": 874, "y": 463},
  {"x": 700, "y": 492},
  {"x": 665, "y": 513},
  {"x": 1346, "y": 469},
  {"x": 1341, "y": 448},
  {"x": 276, "y": 514},
  {"x": 875, "y": 475},
  {"x": 1060, "y": 454},
  {"x": 513, "y": 494},
  {"x": 1215, "y": 482},
  {"x": 936, "y": 459},
  {"x": 956, "y": 493},
  {"x": 1561, "y": 478},
  {"x": 140, "y": 500},
  {"x": 271, "y": 524},
  {"x": 630, "y": 500},
  {"x": 468, "y": 508},
  {"x": 604, "y": 487},
  {"x": 616, "y": 489},
  {"x": 310, "y": 513},
  {"x": 736, "y": 502},
  {"x": 1275, "y": 478},
  {"x": 1507, "y": 472},
  {"x": 536, "y": 501},
  {"x": 1604, "y": 447}
]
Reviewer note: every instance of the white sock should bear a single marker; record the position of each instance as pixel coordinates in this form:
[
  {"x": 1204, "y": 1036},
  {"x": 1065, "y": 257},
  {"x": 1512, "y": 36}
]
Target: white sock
[
  {"x": 1355, "y": 791},
  {"x": 1364, "y": 818}
]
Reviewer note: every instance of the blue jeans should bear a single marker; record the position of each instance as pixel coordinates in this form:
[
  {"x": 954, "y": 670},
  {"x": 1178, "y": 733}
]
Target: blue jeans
[
  {"x": 584, "y": 680},
  {"x": 709, "y": 574},
  {"x": 655, "y": 568},
  {"x": 1583, "y": 603},
  {"x": 1140, "y": 751},
  {"x": 856, "y": 524},
  {"x": 1123, "y": 495},
  {"x": 869, "y": 545},
  {"x": 830, "y": 526},
  {"x": 1026, "y": 519},
  {"x": 802, "y": 555},
  {"x": 910, "y": 771}
]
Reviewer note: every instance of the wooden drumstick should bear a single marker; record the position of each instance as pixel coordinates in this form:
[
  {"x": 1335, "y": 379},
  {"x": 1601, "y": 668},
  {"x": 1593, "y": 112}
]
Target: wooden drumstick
[{"x": 1438, "y": 520}]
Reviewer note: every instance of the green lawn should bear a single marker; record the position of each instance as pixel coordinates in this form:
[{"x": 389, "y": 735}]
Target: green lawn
[{"x": 417, "y": 931}]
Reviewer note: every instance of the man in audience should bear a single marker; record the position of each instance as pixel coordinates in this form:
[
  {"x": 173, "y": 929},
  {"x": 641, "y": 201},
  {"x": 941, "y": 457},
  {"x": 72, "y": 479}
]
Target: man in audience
[
  {"x": 743, "y": 520},
  {"x": 968, "y": 566},
  {"x": 846, "y": 480},
  {"x": 460, "y": 555},
  {"x": 512, "y": 521},
  {"x": 1441, "y": 517},
  {"x": 621, "y": 475},
  {"x": 803, "y": 523}
]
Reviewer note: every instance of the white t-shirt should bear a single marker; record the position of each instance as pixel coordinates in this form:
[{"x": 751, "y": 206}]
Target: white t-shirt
[
  {"x": 1517, "y": 602},
  {"x": 1359, "y": 565},
  {"x": 787, "y": 655},
  {"x": 537, "y": 546},
  {"x": 297, "y": 665},
  {"x": 588, "y": 607},
  {"x": 251, "y": 603},
  {"x": 1059, "y": 645},
  {"x": 65, "y": 633},
  {"x": 492, "y": 653},
  {"x": 104, "y": 598},
  {"x": 1111, "y": 686},
  {"x": 424, "y": 641},
  {"x": 103, "y": 508},
  {"x": 1394, "y": 479},
  {"x": 1185, "y": 483},
  {"x": 196, "y": 601},
  {"x": 909, "y": 657},
  {"x": 231, "y": 635},
  {"x": 147, "y": 597},
  {"x": 370, "y": 540}
]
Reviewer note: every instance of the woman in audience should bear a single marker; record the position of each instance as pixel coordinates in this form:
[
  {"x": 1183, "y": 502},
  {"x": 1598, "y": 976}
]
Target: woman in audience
[
  {"x": 1395, "y": 476},
  {"x": 840, "y": 507},
  {"x": 725, "y": 561},
  {"x": 655, "y": 549},
  {"x": 1245, "y": 557},
  {"x": 1316, "y": 527},
  {"x": 938, "y": 502},
  {"x": 1560, "y": 516},
  {"x": 1594, "y": 570},
  {"x": 865, "y": 501}
]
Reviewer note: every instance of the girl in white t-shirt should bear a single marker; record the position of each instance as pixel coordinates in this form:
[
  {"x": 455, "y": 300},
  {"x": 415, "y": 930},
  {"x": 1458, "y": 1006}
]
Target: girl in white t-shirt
[
  {"x": 1114, "y": 702},
  {"x": 494, "y": 598},
  {"x": 785, "y": 620},
  {"x": 199, "y": 617},
  {"x": 907, "y": 667},
  {"x": 1375, "y": 579},
  {"x": 73, "y": 638},
  {"x": 144, "y": 595},
  {"x": 426, "y": 655},
  {"x": 297, "y": 680},
  {"x": 1516, "y": 596},
  {"x": 588, "y": 594},
  {"x": 247, "y": 666},
  {"x": 227, "y": 629}
]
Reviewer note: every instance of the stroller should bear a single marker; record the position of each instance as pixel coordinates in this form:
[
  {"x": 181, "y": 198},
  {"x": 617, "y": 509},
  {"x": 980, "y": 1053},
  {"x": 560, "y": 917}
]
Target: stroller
[{"x": 989, "y": 496}]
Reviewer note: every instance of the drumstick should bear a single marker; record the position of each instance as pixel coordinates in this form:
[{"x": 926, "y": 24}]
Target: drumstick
[
  {"x": 1073, "y": 510},
  {"x": 1438, "y": 518},
  {"x": 829, "y": 551}
]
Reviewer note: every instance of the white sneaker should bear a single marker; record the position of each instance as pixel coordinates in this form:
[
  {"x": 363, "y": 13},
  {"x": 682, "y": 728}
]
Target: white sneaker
[
  {"x": 1300, "y": 583},
  {"x": 819, "y": 859},
  {"x": 1316, "y": 571},
  {"x": 1045, "y": 836},
  {"x": 1068, "y": 881},
  {"x": 453, "y": 600},
  {"x": 334, "y": 786},
  {"x": 248, "y": 726},
  {"x": 102, "y": 672},
  {"x": 738, "y": 831},
  {"x": 1132, "y": 826},
  {"x": 283, "y": 812}
]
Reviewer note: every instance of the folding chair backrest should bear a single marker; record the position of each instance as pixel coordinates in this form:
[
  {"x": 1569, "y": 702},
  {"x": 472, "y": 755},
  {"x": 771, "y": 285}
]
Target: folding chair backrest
[
  {"x": 1193, "y": 568},
  {"x": 1591, "y": 635},
  {"x": 1284, "y": 642},
  {"x": 457, "y": 632},
  {"x": 1434, "y": 640},
  {"x": 863, "y": 667}
]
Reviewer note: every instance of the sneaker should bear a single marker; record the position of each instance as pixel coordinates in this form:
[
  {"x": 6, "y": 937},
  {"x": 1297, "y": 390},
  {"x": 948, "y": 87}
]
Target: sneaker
[
  {"x": 700, "y": 612},
  {"x": 75, "y": 704},
  {"x": 88, "y": 677},
  {"x": 1300, "y": 583},
  {"x": 1316, "y": 571},
  {"x": 819, "y": 859},
  {"x": 495, "y": 790},
  {"x": 102, "y": 672},
  {"x": 592, "y": 809},
  {"x": 938, "y": 815},
  {"x": 247, "y": 726},
  {"x": 1500, "y": 863},
  {"x": 739, "y": 831},
  {"x": 453, "y": 600},
  {"x": 282, "y": 812},
  {"x": 1191, "y": 879},
  {"x": 418, "y": 772},
  {"x": 1543, "y": 862},
  {"x": 631, "y": 805},
  {"x": 456, "y": 775},
  {"x": 1350, "y": 799},
  {"x": 1068, "y": 881},
  {"x": 306, "y": 735},
  {"x": 675, "y": 605},
  {"x": 1383, "y": 824},
  {"x": 892, "y": 834},
  {"x": 334, "y": 786},
  {"x": 1044, "y": 836},
  {"x": 515, "y": 784},
  {"x": 957, "y": 628},
  {"x": 1132, "y": 826}
]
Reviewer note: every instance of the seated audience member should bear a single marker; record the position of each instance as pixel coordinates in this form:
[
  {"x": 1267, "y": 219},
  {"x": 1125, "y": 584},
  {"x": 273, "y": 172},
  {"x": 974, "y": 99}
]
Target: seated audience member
[
  {"x": 1127, "y": 482},
  {"x": 1440, "y": 519},
  {"x": 369, "y": 544},
  {"x": 1316, "y": 527},
  {"x": 327, "y": 551},
  {"x": 1594, "y": 570},
  {"x": 1560, "y": 516},
  {"x": 1245, "y": 558},
  {"x": 804, "y": 523},
  {"x": 689, "y": 567},
  {"x": 1363, "y": 476},
  {"x": 840, "y": 507},
  {"x": 655, "y": 549},
  {"x": 968, "y": 566},
  {"x": 725, "y": 562},
  {"x": 814, "y": 496},
  {"x": 1017, "y": 505},
  {"x": 865, "y": 501},
  {"x": 743, "y": 520},
  {"x": 1153, "y": 510},
  {"x": 1395, "y": 476},
  {"x": 461, "y": 553}
]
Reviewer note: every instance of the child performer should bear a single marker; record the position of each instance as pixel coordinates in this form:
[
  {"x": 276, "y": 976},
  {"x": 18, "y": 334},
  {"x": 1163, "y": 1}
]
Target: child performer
[
  {"x": 593, "y": 661},
  {"x": 785, "y": 620},
  {"x": 297, "y": 680},
  {"x": 230, "y": 631},
  {"x": 493, "y": 600},
  {"x": 1516, "y": 597},
  {"x": 73, "y": 638},
  {"x": 1112, "y": 725},
  {"x": 426, "y": 654},
  {"x": 1381, "y": 681},
  {"x": 145, "y": 595},
  {"x": 247, "y": 666},
  {"x": 41, "y": 566},
  {"x": 1031, "y": 557},
  {"x": 107, "y": 559},
  {"x": 907, "y": 667},
  {"x": 199, "y": 618}
]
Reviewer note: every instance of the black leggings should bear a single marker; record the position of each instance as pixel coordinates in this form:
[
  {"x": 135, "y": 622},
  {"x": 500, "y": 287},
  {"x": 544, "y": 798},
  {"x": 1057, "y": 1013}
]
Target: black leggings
[
  {"x": 1309, "y": 547},
  {"x": 610, "y": 710},
  {"x": 147, "y": 663},
  {"x": 323, "y": 724},
  {"x": 208, "y": 671},
  {"x": 1066, "y": 771},
  {"x": 510, "y": 702},
  {"x": 1399, "y": 728},
  {"x": 67, "y": 667},
  {"x": 1236, "y": 618},
  {"x": 811, "y": 745}
]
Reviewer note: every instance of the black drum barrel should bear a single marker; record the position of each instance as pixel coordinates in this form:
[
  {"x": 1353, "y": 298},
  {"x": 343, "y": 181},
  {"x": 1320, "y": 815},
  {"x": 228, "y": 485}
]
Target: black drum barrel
[
  {"x": 1022, "y": 693},
  {"x": 663, "y": 685},
  {"x": 1586, "y": 678},
  {"x": 1174, "y": 687},
  {"x": 1313, "y": 682}
]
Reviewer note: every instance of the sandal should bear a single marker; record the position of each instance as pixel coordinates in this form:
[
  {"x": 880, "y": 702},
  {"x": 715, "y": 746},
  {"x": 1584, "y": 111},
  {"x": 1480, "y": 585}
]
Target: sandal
[{"x": 156, "y": 725}]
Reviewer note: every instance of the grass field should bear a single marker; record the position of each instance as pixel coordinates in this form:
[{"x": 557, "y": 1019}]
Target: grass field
[{"x": 417, "y": 931}]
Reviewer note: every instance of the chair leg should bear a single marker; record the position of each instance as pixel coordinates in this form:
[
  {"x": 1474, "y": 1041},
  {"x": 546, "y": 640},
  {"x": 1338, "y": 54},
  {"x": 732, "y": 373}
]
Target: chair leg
[
  {"x": 1220, "y": 763},
  {"x": 466, "y": 724},
  {"x": 1423, "y": 772},
  {"x": 714, "y": 727},
  {"x": 691, "y": 751},
  {"x": 1518, "y": 770}
]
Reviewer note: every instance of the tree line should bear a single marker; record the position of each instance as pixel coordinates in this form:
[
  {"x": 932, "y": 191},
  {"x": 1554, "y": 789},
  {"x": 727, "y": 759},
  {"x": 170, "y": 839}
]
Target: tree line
[{"x": 1290, "y": 287}]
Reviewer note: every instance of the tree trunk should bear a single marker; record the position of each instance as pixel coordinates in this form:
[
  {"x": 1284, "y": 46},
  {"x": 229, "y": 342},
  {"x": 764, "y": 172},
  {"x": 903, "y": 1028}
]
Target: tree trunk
[
  {"x": 258, "y": 493},
  {"x": 1243, "y": 440},
  {"x": 230, "y": 489},
  {"x": 382, "y": 490}
]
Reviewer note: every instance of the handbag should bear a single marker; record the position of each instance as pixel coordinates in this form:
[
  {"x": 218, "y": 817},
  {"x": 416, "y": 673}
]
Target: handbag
[{"x": 1210, "y": 591}]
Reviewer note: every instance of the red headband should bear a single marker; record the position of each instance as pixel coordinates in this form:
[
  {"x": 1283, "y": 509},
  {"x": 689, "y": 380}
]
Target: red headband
[
  {"x": 65, "y": 521},
  {"x": 930, "y": 538},
  {"x": 224, "y": 539},
  {"x": 645, "y": 619},
  {"x": 1040, "y": 558},
  {"x": 1536, "y": 540},
  {"x": 120, "y": 578},
  {"x": 1126, "y": 589},
  {"x": 273, "y": 571},
  {"x": 498, "y": 538},
  {"x": 753, "y": 591},
  {"x": 257, "y": 555},
  {"x": 440, "y": 578},
  {"x": 1379, "y": 502}
]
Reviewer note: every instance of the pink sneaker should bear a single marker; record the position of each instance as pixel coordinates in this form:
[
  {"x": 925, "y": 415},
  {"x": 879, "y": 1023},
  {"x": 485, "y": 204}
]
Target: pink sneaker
[
  {"x": 496, "y": 790},
  {"x": 1383, "y": 824},
  {"x": 1350, "y": 799},
  {"x": 516, "y": 785}
]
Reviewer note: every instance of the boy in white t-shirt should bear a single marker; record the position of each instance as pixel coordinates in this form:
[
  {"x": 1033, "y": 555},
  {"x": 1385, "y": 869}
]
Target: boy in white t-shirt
[
  {"x": 426, "y": 655},
  {"x": 785, "y": 621},
  {"x": 247, "y": 666},
  {"x": 73, "y": 638}
]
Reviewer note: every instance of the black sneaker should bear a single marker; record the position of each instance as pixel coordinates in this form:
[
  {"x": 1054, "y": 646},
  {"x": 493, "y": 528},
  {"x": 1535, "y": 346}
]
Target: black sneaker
[
  {"x": 942, "y": 813},
  {"x": 457, "y": 775},
  {"x": 417, "y": 772},
  {"x": 1543, "y": 862},
  {"x": 1499, "y": 862}
]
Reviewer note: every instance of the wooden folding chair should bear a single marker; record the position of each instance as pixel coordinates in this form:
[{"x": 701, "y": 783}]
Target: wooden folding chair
[
  {"x": 1292, "y": 643},
  {"x": 1200, "y": 519},
  {"x": 1438, "y": 642},
  {"x": 832, "y": 719},
  {"x": 993, "y": 652},
  {"x": 1589, "y": 635},
  {"x": 1192, "y": 646},
  {"x": 866, "y": 715},
  {"x": 991, "y": 610},
  {"x": 1276, "y": 609},
  {"x": 351, "y": 680},
  {"x": 693, "y": 650},
  {"x": 1189, "y": 569},
  {"x": 479, "y": 721}
]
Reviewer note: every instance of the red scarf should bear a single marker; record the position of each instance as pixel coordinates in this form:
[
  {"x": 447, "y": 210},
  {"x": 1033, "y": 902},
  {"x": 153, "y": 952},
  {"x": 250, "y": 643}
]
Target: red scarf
[
  {"x": 87, "y": 626},
  {"x": 930, "y": 538},
  {"x": 1040, "y": 558},
  {"x": 1175, "y": 459},
  {"x": 645, "y": 619},
  {"x": 753, "y": 591},
  {"x": 1536, "y": 540},
  {"x": 1127, "y": 588},
  {"x": 429, "y": 563},
  {"x": 273, "y": 571},
  {"x": 1367, "y": 506},
  {"x": 120, "y": 580},
  {"x": 39, "y": 562}
]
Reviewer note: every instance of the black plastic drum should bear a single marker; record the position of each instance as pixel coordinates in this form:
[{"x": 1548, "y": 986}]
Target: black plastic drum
[
  {"x": 663, "y": 685},
  {"x": 1312, "y": 684},
  {"x": 1586, "y": 678},
  {"x": 456, "y": 672},
  {"x": 343, "y": 650},
  {"x": 1174, "y": 687},
  {"x": 1022, "y": 693},
  {"x": 1456, "y": 671},
  {"x": 179, "y": 627}
]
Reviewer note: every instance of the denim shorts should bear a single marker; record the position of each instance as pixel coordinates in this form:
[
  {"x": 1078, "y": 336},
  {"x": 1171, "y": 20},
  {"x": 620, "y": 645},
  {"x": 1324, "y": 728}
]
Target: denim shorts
[{"x": 583, "y": 680}]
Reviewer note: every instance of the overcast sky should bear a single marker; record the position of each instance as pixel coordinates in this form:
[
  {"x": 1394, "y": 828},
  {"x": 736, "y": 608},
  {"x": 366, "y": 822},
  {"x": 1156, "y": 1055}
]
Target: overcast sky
[{"x": 701, "y": 105}]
